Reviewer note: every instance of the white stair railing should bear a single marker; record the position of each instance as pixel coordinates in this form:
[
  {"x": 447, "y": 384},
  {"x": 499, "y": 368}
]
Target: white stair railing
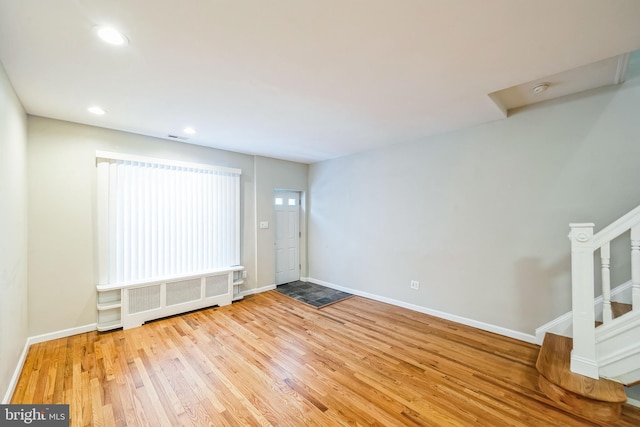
[{"x": 583, "y": 245}]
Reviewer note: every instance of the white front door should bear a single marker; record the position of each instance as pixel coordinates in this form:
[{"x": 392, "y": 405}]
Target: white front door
[{"x": 287, "y": 216}]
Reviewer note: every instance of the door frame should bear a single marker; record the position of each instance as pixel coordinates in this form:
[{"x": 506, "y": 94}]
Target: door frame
[{"x": 300, "y": 196}]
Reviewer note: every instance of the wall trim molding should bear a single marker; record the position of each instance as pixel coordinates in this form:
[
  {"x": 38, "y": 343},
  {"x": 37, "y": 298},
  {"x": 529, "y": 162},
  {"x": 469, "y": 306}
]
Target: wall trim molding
[
  {"x": 258, "y": 290},
  {"x": 16, "y": 374},
  {"x": 559, "y": 326},
  {"x": 615, "y": 357},
  {"x": 633, "y": 402},
  {"x": 583, "y": 366},
  {"x": 35, "y": 340},
  {"x": 617, "y": 327},
  {"x": 436, "y": 313},
  {"x": 62, "y": 333},
  {"x": 562, "y": 325}
]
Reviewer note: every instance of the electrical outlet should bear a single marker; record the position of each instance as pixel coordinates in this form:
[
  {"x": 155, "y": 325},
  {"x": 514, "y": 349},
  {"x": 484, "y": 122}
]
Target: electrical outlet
[{"x": 415, "y": 284}]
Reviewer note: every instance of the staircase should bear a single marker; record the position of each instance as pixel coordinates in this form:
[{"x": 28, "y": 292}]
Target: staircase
[
  {"x": 586, "y": 374},
  {"x": 595, "y": 399},
  {"x": 599, "y": 399}
]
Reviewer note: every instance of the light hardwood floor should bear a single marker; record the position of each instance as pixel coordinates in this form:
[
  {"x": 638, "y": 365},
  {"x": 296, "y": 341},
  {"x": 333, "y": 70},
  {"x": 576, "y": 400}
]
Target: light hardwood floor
[{"x": 269, "y": 360}]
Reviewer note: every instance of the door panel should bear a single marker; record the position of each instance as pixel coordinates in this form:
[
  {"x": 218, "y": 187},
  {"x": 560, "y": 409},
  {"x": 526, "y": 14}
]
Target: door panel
[{"x": 287, "y": 245}]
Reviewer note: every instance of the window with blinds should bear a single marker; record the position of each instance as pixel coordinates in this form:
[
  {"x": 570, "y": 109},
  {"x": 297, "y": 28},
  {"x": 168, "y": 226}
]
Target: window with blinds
[{"x": 159, "y": 219}]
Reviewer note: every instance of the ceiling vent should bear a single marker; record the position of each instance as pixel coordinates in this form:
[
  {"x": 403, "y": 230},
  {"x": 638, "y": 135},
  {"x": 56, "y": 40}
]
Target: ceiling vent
[{"x": 181, "y": 138}]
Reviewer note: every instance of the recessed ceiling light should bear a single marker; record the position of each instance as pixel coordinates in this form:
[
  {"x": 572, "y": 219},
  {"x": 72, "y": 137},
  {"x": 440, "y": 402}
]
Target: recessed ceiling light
[
  {"x": 112, "y": 36},
  {"x": 99, "y": 111},
  {"x": 189, "y": 130}
]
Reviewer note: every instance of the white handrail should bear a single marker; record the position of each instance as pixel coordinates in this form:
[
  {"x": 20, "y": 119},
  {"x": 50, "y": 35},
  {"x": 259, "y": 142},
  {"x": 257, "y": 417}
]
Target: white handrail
[{"x": 616, "y": 228}]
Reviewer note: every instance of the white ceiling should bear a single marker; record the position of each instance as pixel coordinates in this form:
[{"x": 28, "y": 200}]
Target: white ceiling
[{"x": 299, "y": 79}]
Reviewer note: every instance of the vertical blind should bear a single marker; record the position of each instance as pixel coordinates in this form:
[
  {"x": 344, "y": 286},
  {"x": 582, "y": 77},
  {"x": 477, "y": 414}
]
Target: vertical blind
[{"x": 161, "y": 219}]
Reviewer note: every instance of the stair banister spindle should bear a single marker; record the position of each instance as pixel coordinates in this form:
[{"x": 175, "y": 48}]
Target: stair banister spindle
[
  {"x": 635, "y": 266},
  {"x": 605, "y": 262},
  {"x": 583, "y": 355}
]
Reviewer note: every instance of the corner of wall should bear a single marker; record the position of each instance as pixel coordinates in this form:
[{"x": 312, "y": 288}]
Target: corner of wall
[{"x": 14, "y": 232}]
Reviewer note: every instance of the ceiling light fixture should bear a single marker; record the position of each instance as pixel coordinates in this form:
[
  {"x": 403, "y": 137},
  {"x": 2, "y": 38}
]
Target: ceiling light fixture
[
  {"x": 540, "y": 87},
  {"x": 99, "y": 111},
  {"x": 189, "y": 130},
  {"x": 112, "y": 36}
]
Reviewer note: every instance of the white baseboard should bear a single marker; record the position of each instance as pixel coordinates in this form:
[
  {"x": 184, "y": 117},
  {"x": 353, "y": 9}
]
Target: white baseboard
[
  {"x": 560, "y": 326},
  {"x": 61, "y": 334},
  {"x": 622, "y": 293},
  {"x": 258, "y": 290},
  {"x": 563, "y": 325},
  {"x": 38, "y": 339},
  {"x": 584, "y": 366},
  {"x": 633, "y": 402},
  {"x": 454, "y": 318},
  {"x": 16, "y": 374}
]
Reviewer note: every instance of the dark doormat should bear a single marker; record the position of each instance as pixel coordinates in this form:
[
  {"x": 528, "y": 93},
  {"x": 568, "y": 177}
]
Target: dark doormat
[{"x": 309, "y": 293}]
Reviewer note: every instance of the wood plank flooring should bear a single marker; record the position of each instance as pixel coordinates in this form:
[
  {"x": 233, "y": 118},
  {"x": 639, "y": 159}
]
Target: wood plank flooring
[{"x": 269, "y": 360}]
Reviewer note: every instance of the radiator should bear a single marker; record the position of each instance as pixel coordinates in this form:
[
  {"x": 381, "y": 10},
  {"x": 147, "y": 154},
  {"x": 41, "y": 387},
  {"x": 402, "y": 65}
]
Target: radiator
[{"x": 130, "y": 305}]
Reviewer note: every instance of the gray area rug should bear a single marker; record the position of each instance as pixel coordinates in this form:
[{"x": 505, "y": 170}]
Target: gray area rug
[{"x": 309, "y": 293}]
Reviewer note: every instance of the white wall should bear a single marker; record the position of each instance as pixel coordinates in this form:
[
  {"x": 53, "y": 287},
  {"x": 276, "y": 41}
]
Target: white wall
[
  {"x": 13, "y": 231},
  {"x": 479, "y": 216},
  {"x": 276, "y": 174},
  {"x": 62, "y": 270}
]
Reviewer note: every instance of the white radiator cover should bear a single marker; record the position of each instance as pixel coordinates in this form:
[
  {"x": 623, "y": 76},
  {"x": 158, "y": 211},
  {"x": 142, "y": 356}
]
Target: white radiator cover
[{"x": 141, "y": 302}]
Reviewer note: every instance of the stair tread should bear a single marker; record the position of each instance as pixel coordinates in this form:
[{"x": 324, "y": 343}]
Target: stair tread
[
  {"x": 554, "y": 363},
  {"x": 618, "y": 309}
]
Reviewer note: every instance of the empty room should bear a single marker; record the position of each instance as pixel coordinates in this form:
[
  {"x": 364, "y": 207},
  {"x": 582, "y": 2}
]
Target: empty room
[{"x": 291, "y": 213}]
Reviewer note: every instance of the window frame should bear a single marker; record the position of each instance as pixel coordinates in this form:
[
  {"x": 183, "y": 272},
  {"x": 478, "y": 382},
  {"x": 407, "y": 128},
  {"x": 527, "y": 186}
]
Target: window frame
[{"x": 103, "y": 161}]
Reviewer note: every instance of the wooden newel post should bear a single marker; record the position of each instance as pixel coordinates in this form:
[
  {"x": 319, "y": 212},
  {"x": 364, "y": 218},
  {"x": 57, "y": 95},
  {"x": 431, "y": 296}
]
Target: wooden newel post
[{"x": 583, "y": 355}]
